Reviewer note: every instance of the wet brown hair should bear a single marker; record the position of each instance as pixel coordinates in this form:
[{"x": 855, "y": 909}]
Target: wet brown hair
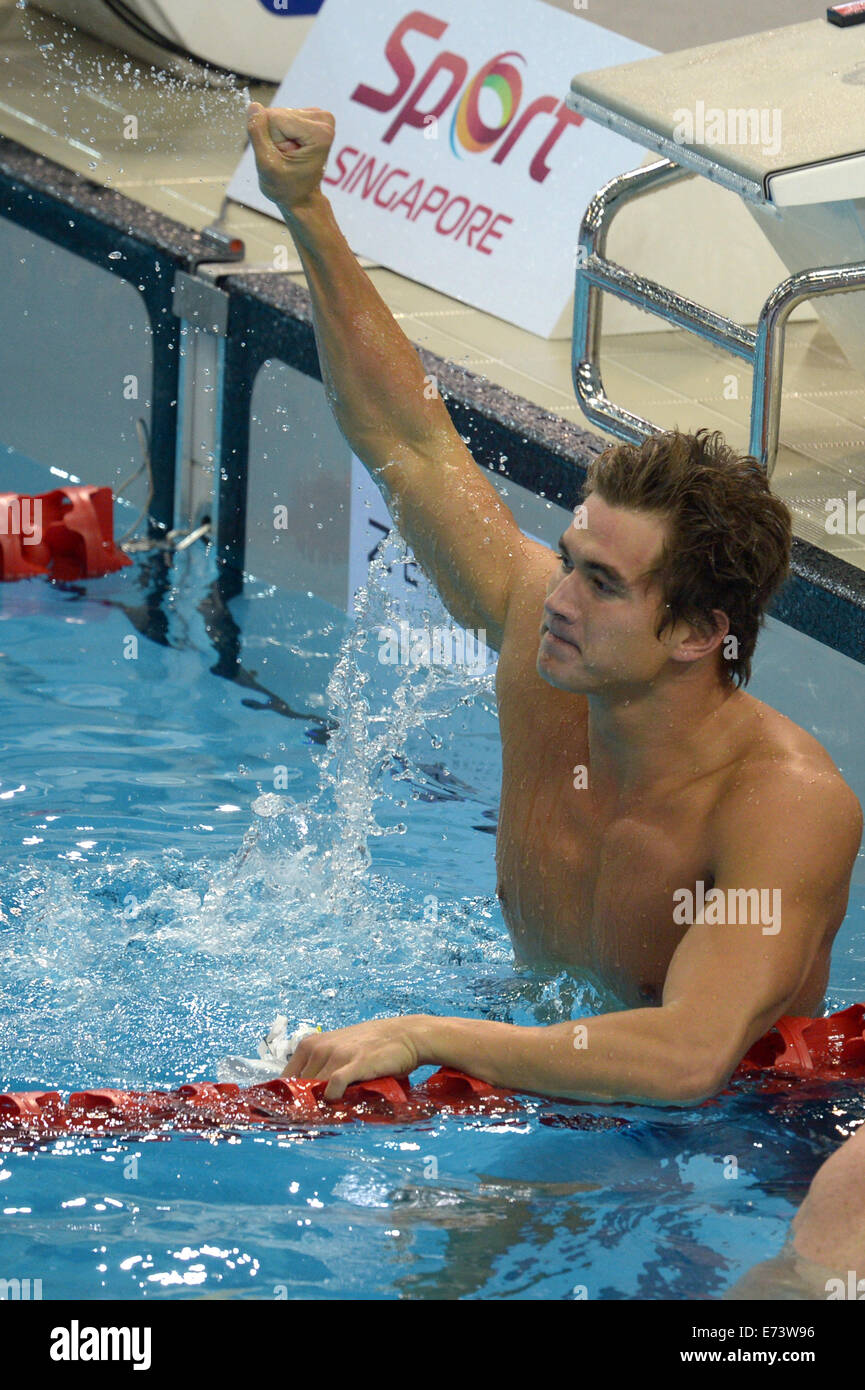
[{"x": 728, "y": 537}]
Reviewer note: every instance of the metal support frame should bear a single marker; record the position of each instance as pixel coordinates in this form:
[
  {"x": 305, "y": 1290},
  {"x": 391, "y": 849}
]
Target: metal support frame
[
  {"x": 203, "y": 312},
  {"x": 257, "y": 332},
  {"x": 150, "y": 272},
  {"x": 762, "y": 348},
  {"x": 98, "y": 236}
]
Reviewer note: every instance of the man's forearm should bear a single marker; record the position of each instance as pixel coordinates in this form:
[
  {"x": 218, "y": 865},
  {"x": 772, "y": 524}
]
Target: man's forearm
[
  {"x": 372, "y": 374},
  {"x": 638, "y": 1055}
]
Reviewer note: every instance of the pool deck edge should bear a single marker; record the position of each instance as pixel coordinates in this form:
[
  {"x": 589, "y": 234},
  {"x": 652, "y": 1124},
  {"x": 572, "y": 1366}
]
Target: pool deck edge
[{"x": 509, "y": 435}]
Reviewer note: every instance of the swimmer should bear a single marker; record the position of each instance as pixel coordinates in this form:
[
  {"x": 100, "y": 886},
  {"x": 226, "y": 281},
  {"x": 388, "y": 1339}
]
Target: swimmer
[
  {"x": 637, "y": 774},
  {"x": 824, "y": 1257}
]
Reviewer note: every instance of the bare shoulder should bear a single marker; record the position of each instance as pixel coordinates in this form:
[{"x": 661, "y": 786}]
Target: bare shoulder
[{"x": 782, "y": 779}]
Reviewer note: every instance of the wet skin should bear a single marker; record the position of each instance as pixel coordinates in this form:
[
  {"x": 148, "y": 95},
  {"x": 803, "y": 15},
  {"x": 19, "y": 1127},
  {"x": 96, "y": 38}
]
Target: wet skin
[
  {"x": 586, "y": 875},
  {"x": 825, "y": 1255},
  {"x": 686, "y": 778}
]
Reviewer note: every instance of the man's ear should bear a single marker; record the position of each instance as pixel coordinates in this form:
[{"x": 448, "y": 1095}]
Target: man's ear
[{"x": 702, "y": 638}]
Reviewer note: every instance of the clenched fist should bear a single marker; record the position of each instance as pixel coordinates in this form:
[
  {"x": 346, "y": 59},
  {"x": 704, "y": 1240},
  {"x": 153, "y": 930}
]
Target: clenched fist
[{"x": 291, "y": 149}]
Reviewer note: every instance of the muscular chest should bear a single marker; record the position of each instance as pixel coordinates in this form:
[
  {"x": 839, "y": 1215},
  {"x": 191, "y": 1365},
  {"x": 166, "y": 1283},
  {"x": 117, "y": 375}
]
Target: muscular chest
[{"x": 580, "y": 886}]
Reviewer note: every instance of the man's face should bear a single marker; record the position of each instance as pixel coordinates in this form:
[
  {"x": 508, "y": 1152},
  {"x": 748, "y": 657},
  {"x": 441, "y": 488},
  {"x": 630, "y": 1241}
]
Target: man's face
[{"x": 600, "y": 602}]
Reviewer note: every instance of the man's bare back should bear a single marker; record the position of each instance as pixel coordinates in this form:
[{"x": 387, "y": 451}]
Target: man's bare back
[{"x": 590, "y": 887}]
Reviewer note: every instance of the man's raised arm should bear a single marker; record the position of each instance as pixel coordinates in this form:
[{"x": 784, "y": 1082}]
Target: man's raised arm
[{"x": 443, "y": 505}]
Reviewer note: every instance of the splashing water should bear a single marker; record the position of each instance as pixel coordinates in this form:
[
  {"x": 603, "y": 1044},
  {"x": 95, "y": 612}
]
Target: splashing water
[
  {"x": 322, "y": 844},
  {"x": 195, "y": 101},
  {"x": 143, "y": 955},
  {"x": 365, "y": 740}
]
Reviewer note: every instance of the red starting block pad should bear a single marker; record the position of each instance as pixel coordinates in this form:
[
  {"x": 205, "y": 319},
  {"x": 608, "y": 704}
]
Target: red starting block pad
[
  {"x": 211, "y": 1105},
  {"x": 67, "y": 534}
]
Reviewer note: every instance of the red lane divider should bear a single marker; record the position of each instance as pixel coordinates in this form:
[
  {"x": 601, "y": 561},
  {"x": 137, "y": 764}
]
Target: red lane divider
[
  {"x": 224, "y": 1105},
  {"x": 796, "y": 1049},
  {"x": 812, "y": 1049},
  {"x": 67, "y": 533}
]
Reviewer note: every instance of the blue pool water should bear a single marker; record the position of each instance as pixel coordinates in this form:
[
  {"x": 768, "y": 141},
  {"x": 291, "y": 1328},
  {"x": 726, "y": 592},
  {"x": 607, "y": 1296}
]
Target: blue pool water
[{"x": 155, "y": 915}]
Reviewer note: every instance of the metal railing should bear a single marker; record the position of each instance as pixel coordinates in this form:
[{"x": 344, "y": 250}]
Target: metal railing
[{"x": 762, "y": 348}]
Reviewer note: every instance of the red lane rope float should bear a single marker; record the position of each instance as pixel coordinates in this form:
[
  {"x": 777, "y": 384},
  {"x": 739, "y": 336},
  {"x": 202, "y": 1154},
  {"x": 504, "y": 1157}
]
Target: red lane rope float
[
  {"x": 795, "y": 1050},
  {"x": 809, "y": 1049},
  {"x": 208, "y": 1105},
  {"x": 67, "y": 534}
]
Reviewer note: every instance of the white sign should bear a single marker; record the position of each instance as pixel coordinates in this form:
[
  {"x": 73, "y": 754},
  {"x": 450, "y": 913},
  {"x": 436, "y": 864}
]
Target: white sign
[{"x": 456, "y": 161}]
